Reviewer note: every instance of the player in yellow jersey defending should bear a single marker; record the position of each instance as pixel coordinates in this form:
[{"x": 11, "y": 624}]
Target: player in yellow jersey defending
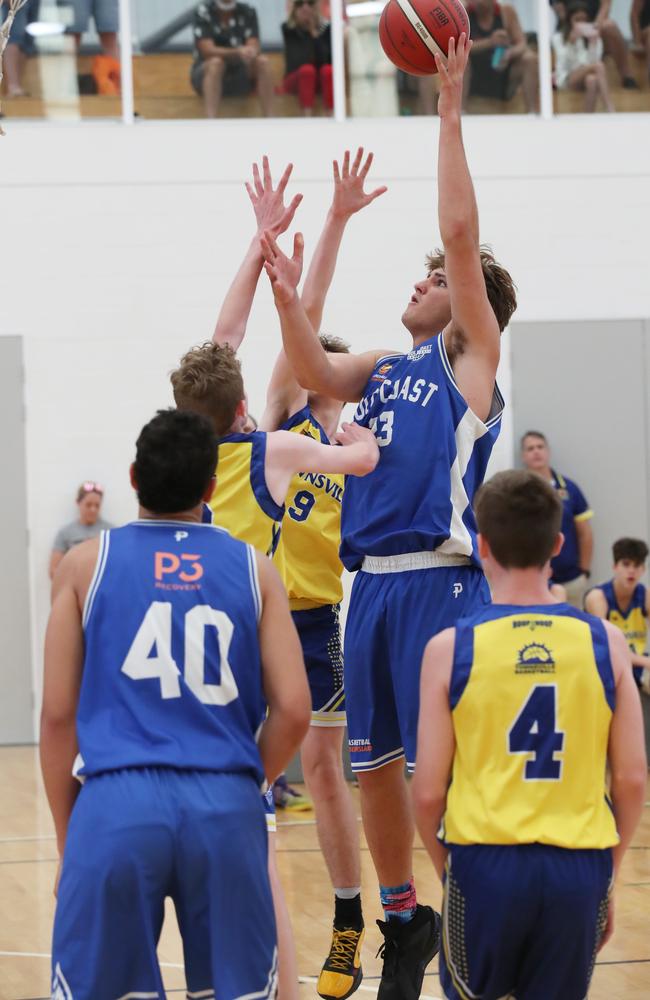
[
  {"x": 308, "y": 554},
  {"x": 522, "y": 706},
  {"x": 625, "y": 602}
]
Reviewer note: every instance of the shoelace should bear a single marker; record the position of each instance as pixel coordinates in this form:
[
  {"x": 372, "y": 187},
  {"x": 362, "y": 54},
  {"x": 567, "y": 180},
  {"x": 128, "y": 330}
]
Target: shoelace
[
  {"x": 343, "y": 949},
  {"x": 388, "y": 952}
]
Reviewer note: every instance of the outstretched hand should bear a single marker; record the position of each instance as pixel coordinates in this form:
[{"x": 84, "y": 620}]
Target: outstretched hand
[
  {"x": 271, "y": 213},
  {"x": 284, "y": 272},
  {"x": 349, "y": 196},
  {"x": 452, "y": 71}
]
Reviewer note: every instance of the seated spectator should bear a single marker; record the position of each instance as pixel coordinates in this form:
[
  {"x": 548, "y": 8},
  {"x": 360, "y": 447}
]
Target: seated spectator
[
  {"x": 18, "y": 47},
  {"x": 625, "y": 602},
  {"x": 640, "y": 17},
  {"x": 578, "y": 51},
  {"x": 614, "y": 45},
  {"x": 228, "y": 60},
  {"x": 308, "y": 55},
  {"x": 106, "y": 16},
  {"x": 501, "y": 61},
  {"x": 88, "y": 523}
]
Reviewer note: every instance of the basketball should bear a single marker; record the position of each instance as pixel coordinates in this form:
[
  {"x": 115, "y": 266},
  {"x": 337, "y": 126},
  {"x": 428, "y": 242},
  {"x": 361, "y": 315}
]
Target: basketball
[{"x": 411, "y": 31}]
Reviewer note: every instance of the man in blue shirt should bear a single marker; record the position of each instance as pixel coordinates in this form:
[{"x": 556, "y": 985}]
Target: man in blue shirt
[{"x": 572, "y": 567}]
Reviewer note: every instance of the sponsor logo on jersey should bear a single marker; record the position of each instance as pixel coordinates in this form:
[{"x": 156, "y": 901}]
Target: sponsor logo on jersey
[
  {"x": 533, "y": 623},
  {"x": 457, "y": 589},
  {"x": 172, "y": 572},
  {"x": 180, "y": 535},
  {"x": 420, "y": 353},
  {"x": 381, "y": 373},
  {"x": 360, "y": 746},
  {"x": 535, "y": 658}
]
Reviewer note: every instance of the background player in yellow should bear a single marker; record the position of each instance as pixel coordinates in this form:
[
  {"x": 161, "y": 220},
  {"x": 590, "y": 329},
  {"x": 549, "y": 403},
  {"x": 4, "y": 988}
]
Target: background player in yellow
[
  {"x": 522, "y": 707},
  {"x": 309, "y": 560},
  {"x": 625, "y": 602}
]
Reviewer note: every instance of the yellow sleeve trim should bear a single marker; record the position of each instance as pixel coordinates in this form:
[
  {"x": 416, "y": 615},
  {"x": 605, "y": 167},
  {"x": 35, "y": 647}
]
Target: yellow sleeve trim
[{"x": 586, "y": 514}]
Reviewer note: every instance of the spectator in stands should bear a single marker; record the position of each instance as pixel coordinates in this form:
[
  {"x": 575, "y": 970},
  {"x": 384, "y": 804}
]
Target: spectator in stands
[
  {"x": 105, "y": 14},
  {"x": 578, "y": 51},
  {"x": 228, "y": 60},
  {"x": 572, "y": 567},
  {"x": 614, "y": 45},
  {"x": 88, "y": 523},
  {"x": 18, "y": 47},
  {"x": 640, "y": 18},
  {"x": 501, "y": 60},
  {"x": 308, "y": 55}
]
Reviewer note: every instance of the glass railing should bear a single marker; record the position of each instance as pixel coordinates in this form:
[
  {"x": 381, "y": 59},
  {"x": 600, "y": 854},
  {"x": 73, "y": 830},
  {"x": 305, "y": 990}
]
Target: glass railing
[
  {"x": 60, "y": 63},
  {"x": 280, "y": 58}
]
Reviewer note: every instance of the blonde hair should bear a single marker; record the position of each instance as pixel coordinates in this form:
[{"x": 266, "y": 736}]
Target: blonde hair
[
  {"x": 291, "y": 19},
  {"x": 209, "y": 381}
]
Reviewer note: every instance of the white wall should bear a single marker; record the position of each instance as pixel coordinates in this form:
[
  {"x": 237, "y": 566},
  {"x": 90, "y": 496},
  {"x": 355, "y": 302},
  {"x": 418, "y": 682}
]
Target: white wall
[{"x": 119, "y": 244}]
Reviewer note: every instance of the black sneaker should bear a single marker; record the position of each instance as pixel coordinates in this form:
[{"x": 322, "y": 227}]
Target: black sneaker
[
  {"x": 406, "y": 951},
  {"x": 629, "y": 83}
]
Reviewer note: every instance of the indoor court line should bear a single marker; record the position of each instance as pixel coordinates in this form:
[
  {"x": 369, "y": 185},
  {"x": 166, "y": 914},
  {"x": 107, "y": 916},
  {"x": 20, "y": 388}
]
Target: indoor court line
[{"x": 311, "y": 980}]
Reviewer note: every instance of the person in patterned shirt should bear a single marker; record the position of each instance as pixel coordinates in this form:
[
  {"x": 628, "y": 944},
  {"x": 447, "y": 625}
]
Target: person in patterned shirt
[{"x": 228, "y": 60}]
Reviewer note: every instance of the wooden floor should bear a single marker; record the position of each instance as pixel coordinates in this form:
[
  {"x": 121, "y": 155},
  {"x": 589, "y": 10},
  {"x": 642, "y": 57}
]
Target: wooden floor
[{"x": 28, "y": 863}]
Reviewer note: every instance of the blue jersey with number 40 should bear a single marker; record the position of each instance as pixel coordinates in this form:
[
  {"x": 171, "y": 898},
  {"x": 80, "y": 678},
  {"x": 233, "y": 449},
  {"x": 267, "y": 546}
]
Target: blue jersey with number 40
[
  {"x": 433, "y": 455},
  {"x": 172, "y": 671}
]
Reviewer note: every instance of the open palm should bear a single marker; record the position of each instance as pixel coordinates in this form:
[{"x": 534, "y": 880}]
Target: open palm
[
  {"x": 284, "y": 272},
  {"x": 349, "y": 196}
]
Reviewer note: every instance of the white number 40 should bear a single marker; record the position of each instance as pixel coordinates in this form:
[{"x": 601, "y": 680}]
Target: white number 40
[{"x": 156, "y": 631}]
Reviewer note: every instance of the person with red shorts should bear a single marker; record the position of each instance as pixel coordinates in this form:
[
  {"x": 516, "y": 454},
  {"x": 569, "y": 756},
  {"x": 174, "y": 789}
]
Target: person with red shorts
[{"x": 308, "y": 55}]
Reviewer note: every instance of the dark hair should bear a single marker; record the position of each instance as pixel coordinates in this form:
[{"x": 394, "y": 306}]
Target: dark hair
[
  {"x": 175, "y": 459},
  {"x": 209, "y": 381},
  {"x": 577, "y": 7},
  {"x": 501, "y": 289},
  {"x": 533, "y": 434},
  {"x": 519, "y": 514},
  {"x": 633, "y": 549}
]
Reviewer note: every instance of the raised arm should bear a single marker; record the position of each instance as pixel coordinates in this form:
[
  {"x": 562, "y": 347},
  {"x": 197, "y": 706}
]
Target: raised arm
[
  {"x": 473, "y": 319},
  {"x": 341, "y": 376},
  {"x": 270, "y": 214},
  {"x": 436, "y": 745},
  {"x": 349, "y": 198},
  {"x": 283, "y": 675}
]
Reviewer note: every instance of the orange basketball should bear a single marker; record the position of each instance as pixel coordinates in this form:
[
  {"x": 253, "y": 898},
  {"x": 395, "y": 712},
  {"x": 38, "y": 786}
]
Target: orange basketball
[{"x": 410, "y": 31}]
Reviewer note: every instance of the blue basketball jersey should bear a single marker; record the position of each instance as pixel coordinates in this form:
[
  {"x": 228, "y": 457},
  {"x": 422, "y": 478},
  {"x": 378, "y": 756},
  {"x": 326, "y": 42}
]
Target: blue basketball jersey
[
  {"x": 172, "y": 671},
  {"x": 433, "y": 455}
]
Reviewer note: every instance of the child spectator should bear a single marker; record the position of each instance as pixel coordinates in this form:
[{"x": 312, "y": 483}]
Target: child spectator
[
  {"x": 308, "y": 55},
  {"x": 625, "y": 602},
  {"x": 88, "y": 524},
  {"x": 578, "y": 50}
]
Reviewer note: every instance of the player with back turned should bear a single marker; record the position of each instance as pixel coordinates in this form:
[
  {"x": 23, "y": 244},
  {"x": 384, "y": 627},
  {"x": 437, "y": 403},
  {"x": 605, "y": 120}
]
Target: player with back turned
[
  {"x": 166, "y": 641},
  {"x": 409, "y": 528},
  {"x": 523, "y": 706}
]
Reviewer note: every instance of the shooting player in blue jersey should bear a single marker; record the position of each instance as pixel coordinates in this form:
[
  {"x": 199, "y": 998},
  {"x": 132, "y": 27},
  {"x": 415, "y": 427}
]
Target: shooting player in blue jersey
[
  {"x": 408, "y": 527},
  {"x": 167, "y": 639}
]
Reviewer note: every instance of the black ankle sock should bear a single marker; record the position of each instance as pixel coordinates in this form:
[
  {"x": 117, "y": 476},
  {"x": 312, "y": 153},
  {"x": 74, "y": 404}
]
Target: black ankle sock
[{"x": 347, "y": 912}]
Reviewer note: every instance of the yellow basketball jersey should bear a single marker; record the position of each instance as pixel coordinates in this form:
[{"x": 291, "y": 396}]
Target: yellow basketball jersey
[
  {"x": 241, "y": 502},
  {"x": 532, "y": 695},
  {"x": 311, "y": 530},
  {"x": 633, "y": 623}
]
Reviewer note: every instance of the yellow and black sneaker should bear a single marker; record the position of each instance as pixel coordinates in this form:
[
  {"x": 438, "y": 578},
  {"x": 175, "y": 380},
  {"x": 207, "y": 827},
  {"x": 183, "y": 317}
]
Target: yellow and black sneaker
[{"x": 341, "y": 974}]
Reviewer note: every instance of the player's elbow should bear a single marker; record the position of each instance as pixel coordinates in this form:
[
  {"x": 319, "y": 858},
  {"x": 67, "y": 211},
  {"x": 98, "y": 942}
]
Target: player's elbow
[
  {"x": 628, "y": 782},
  {"x": 56, "y": 719},
  {"x": 460, "y": 234},
  {"x": 295, "y": 714},
  {"x": 427, "y": 799},
  {"x": 367, "y": 459}
]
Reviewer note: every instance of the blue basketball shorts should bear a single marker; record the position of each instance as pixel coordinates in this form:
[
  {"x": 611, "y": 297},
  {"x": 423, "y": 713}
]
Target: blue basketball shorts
[
  {"x": 391, "y": 618},
  {"x": 137, "y": 836},
  {"x": 522, "y": 921},
  {"x": 319, "y": 631}
]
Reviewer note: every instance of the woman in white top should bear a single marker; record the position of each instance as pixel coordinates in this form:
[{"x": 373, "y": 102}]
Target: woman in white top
[{"x": 578, "y": 50}]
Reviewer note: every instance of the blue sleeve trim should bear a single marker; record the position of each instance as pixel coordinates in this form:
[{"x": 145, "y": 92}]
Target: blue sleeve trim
[
  {"x": 258, "y": 477},
  {"x": 462, "y": 662},
  {"x": 603, "y": 659}
]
